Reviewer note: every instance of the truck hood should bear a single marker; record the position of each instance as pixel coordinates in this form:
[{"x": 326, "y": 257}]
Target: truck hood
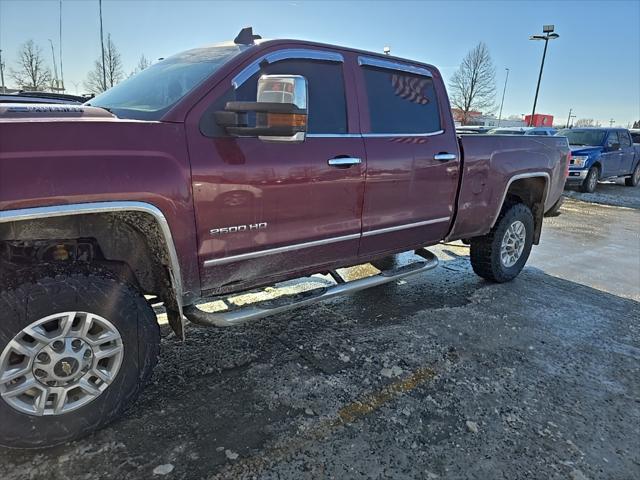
[
  {"x": 585, "y": 149},
  {"x": 36, "y": 112}
]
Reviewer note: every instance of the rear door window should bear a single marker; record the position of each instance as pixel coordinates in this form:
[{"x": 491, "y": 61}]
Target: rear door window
[{"x": 400, "y": 102}]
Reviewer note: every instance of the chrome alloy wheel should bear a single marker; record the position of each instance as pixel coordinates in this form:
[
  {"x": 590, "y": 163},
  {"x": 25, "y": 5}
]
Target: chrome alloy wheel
[
  {"x": 593, "y": 180},
  {"x": 60, "y": 363},
  {"x": 513, "y": 244}
]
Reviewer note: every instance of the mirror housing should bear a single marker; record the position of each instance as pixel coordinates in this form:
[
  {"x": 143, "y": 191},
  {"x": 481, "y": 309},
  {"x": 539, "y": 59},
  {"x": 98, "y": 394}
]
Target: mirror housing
[
  {"x": 613, "y": 148},
  {"x": 280, "y": 111}
]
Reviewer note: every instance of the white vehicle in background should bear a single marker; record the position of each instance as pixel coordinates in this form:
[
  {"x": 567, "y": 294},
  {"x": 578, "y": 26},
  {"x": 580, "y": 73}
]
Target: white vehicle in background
[{"x": 542, "y": 131}]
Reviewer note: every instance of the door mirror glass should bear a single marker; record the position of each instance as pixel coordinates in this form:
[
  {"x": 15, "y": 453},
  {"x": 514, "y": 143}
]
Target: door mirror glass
[{"x": 283, "y": 89}]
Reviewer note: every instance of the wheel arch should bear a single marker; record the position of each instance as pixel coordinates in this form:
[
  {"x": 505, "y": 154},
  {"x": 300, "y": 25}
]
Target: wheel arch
[
  {"x": 531, "y": 189},
  {"x": 136, "y": 233}
]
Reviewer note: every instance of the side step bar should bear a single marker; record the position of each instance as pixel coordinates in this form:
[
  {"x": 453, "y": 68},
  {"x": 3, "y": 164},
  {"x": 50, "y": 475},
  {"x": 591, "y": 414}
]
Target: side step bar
[{"x": 283, "y": 304}]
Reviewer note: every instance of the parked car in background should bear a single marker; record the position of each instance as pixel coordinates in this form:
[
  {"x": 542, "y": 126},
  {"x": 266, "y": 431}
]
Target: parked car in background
[
  {"x": 42, "y": 97},
  {"x": 507, "y": 131},
  {"x": 542, "y": 131},
  {"x": 471, "y": 129},
  {"x": 600, "y": 154}
]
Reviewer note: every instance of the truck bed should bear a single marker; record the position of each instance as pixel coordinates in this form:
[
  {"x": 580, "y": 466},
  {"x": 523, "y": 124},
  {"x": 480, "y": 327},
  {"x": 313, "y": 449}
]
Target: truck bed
[{"x": 491, "y": 162}]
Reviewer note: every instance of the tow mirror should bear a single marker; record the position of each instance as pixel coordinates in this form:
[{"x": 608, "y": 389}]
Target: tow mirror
[{"x": 278, "y": 115}]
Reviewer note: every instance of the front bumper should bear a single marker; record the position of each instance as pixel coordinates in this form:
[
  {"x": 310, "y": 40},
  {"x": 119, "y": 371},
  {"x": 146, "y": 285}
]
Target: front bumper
[{"x": 577, "y": 176}]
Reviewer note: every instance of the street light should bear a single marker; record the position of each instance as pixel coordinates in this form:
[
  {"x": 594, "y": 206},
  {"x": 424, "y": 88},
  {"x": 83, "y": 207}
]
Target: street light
[
  {"x": 571, "y": 115},
  {"x": 503, "y": 92},
  {"x": 548, "y": 35}
]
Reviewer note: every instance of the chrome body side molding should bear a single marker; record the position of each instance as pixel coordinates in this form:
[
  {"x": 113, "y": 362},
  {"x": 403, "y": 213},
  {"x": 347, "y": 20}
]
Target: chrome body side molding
[
  {"x": 273, "y": 251},
  {"x": 317, "y": 243},
  {"x": 404, "y": 227},
  {"x": 286, "y": 54},
  {"x": 390, "y": 65},
  {"x": 25, "y": 214}
]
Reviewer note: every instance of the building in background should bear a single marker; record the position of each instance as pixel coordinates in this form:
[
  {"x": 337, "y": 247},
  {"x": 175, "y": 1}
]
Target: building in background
[
  {"x": 478, "y": 119},
  {"x": 539, "y": 120}
]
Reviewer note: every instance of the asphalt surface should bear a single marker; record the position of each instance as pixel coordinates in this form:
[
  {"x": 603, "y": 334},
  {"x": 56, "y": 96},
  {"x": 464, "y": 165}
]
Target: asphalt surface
[{"x": 440, "y": 376}]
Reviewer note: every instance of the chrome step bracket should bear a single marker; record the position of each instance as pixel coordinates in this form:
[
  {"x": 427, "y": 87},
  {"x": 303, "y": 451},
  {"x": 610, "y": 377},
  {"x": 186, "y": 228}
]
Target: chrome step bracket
[{"x": 289, "y": 302}]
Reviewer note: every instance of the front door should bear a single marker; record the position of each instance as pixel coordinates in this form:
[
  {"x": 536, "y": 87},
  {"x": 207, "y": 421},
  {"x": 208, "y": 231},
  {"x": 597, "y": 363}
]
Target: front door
[
  {"x": 266, "y": 209},
  {"x": 412, "y": 156}
]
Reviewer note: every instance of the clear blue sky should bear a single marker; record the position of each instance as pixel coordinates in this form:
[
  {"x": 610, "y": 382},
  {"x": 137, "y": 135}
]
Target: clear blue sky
[{"x": 594, "y": 67}]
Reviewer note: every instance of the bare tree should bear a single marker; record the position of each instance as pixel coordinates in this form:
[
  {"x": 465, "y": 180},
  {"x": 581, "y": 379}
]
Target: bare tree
[
  {"x": 636, "y": 124},
  {"x": 585, "y": 122},
  {"x": 31, "y": 73},
  {"x": 473, "y": 86},
  {"x": 113, "y": 68},
  {"x": 143, "y": 62}
]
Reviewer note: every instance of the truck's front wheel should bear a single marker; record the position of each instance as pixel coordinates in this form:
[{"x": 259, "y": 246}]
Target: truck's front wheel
[
  {"x": 75, "y": 350},
  {"x": 501, "y": 254},
  {"x": 590, "y": 183}
]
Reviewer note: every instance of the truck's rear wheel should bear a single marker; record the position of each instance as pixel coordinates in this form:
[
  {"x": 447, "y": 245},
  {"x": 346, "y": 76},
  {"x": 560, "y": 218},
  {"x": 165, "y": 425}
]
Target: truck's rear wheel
[
  {"x": 501, "y": 254},
  {"x": 590, "y": 183},
  {"x": 75, "y": 350},
  {"x": 634, "y": 179}
]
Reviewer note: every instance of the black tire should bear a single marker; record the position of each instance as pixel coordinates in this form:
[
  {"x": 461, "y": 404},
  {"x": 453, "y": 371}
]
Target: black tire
[
  {"x": 634, "y": 179},
  {"x": 485, "y": 250},
  {"x": 590, "y": 182},
  {"x": 124, "y": 307},
  {"x": 554, "y": 211}
]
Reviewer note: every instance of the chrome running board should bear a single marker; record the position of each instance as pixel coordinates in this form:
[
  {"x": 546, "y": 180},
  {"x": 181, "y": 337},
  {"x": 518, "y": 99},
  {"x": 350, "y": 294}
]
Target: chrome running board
[{"x": 286, "y": 303}]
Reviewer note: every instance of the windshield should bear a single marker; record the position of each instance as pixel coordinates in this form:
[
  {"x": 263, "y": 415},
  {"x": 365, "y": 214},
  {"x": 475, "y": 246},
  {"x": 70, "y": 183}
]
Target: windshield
[
  {"x": 150, "y": 93},
  {"x": 583, "y": 137}
]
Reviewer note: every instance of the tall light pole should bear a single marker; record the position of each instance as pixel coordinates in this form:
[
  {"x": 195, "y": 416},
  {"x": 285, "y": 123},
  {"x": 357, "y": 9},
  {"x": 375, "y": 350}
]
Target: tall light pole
[
  {"x": 104, "y": 68},
  {"x": 55, "y": 68},
  {"x": 2, "y": 73},
  {"x": 548, "y": 35},
  {"x": 503, "y": 92},
  {"x": 569, "y": 117},
  {"x": 60, "y": 46}
]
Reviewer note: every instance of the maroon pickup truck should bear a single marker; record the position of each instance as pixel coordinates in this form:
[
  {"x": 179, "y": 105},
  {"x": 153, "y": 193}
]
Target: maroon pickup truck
[{"x": 223, "y": 169}]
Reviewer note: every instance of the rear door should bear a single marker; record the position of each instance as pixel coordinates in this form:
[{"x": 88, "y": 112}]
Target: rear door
[
  {"x": 412, "y": 155},
  {"x": 266, "y": 209},
  {"x": 627, "y": 152},
  {"x": 612, "y": 157}
]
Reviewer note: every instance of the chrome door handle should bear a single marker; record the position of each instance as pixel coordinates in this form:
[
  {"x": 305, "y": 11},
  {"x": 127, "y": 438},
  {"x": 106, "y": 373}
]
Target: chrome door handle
[
  {"x": 445, "y": 157},
  {"x": 344, "y": 161}
]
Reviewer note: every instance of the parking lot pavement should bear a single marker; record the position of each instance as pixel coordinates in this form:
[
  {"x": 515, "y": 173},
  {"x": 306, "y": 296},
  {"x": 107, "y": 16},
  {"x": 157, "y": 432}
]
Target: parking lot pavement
[
  {"x": 440, "y": 376},
  {"x": 609, "y": 193}
]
